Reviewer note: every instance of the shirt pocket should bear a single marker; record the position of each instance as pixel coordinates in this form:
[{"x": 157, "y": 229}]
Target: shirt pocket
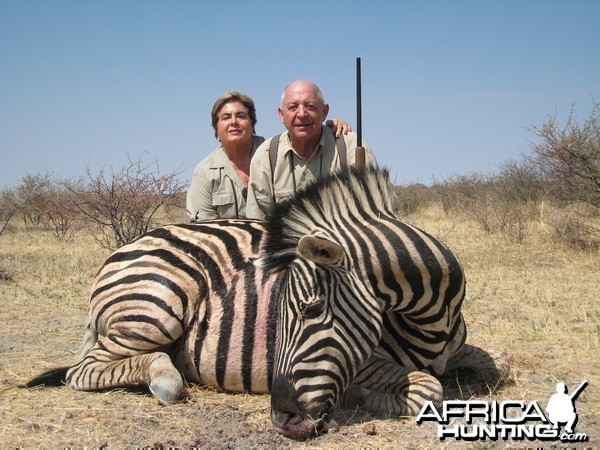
[
  {"x": 283, "y": 194},
  {"x": 225, "y": 205}
]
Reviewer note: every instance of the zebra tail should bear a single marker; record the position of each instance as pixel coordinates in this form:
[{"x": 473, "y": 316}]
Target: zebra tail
[
  {"x": 90, "y": 337},
  {"x": 51, "y": 378}
]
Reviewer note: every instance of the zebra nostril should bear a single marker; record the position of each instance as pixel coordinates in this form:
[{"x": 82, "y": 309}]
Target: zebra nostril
[
  {"x": 326, "y": 424},
  {"x": 291, "y": 418}
]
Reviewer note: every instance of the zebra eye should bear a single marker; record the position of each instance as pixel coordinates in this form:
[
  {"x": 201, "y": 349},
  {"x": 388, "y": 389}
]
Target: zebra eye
[{"x": 312, "y": 310}]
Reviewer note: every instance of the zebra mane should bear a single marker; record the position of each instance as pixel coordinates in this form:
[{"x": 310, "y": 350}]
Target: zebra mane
[{"x": 326, "y": 207}]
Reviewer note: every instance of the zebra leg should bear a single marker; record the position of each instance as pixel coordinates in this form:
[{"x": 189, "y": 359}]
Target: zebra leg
[
  {"x": 384, "y": 386},
  {"x": 493, "y": 365},
  {"x": 109, "y": 364}
]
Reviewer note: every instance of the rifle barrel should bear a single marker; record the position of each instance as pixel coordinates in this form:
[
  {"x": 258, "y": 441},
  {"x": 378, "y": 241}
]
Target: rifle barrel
[
  {"x": 358, "y": 103},
  {"x": 360, "y": 159},
  {"x": 578, "y": 389}
]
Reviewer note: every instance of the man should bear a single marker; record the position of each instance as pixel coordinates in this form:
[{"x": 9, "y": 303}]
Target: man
[
  {"x": 561, "y": 409},
  {"x": 302, "y": 154}
]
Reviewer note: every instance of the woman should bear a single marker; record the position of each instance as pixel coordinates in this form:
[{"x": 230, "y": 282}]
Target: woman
[{"x": 220, "y": 182}]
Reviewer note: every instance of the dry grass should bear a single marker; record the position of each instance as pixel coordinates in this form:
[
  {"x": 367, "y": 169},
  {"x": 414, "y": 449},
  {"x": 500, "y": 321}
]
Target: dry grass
[{"x": 536, "y": 302}]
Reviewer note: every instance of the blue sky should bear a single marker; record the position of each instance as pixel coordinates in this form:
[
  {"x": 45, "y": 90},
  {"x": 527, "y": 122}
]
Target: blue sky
[{"x": 448, "y": 87}]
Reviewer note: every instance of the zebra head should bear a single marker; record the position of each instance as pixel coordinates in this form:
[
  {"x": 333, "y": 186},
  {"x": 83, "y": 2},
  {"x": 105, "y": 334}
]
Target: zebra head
[{"x": 329, "y": 319}]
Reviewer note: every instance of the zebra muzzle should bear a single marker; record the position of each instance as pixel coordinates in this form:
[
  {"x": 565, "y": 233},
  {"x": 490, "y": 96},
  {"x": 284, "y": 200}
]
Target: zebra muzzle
[
  {"x": 300, "y": 427},
  {"x": 292, "y": 419}
]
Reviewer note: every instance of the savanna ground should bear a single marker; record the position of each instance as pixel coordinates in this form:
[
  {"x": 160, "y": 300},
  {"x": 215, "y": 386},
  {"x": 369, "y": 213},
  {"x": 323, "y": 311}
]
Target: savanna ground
[{"x": 536, "y": 301}]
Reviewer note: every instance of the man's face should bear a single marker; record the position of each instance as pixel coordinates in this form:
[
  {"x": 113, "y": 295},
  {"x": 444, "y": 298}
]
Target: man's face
[{"x": 303, "y": 112}]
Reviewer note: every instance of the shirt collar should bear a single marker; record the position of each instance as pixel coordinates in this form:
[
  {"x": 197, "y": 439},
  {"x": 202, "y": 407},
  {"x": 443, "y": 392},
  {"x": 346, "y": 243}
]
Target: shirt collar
[
  {"x": 220, "y": 159},
  {"x": 287, "y": 143}
]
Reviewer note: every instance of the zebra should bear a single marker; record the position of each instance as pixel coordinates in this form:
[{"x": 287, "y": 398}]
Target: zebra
[{"x": 333, "y": 301}]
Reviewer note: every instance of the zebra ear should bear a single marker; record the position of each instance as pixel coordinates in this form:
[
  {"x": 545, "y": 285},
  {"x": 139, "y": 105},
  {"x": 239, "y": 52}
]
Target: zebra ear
[{"x": 320, "y": 250}]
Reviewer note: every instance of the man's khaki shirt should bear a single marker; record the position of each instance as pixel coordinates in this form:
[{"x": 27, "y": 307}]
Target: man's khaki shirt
[{"x": 292, "y": 171}]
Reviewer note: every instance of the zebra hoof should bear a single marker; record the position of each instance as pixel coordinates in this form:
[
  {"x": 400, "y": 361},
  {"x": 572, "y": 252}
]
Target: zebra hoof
[
  {"x": 166, "y": 382},
  {"x": 167, "y": 391}
]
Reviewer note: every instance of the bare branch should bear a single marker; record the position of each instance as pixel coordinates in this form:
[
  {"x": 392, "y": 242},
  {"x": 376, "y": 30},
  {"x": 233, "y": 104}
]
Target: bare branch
[{"x": 122, "y": 204}]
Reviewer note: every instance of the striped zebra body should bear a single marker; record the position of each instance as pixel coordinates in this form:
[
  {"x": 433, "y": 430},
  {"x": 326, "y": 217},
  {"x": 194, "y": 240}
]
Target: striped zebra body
[
  {"x": 192, "y": 285},
  {"x": 332, "y": 301}
]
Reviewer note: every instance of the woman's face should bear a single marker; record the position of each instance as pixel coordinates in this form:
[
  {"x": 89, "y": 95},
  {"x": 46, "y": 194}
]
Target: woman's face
[{"x": 234, "y": 124}]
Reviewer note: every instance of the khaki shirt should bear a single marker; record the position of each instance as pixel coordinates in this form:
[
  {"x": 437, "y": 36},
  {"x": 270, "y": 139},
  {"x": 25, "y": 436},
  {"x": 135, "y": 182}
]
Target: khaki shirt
[
  {"x": 292, "y": 171},
  {"x": 216, "y": 190}
]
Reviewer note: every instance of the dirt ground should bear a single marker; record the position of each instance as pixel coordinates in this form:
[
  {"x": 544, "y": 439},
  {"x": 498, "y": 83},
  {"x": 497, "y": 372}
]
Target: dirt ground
[{"x": 537, "y": 302}]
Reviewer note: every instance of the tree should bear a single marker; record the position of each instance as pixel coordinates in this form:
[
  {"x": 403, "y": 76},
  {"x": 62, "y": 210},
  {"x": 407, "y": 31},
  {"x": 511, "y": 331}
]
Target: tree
[
  {"x": 123, "y": 204},
  {"x": 32, "y": 195},
  {"x": 8, "y": 207},
  {"x": 60, "y": 213},
  {"x": 570, "y": 156}
]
